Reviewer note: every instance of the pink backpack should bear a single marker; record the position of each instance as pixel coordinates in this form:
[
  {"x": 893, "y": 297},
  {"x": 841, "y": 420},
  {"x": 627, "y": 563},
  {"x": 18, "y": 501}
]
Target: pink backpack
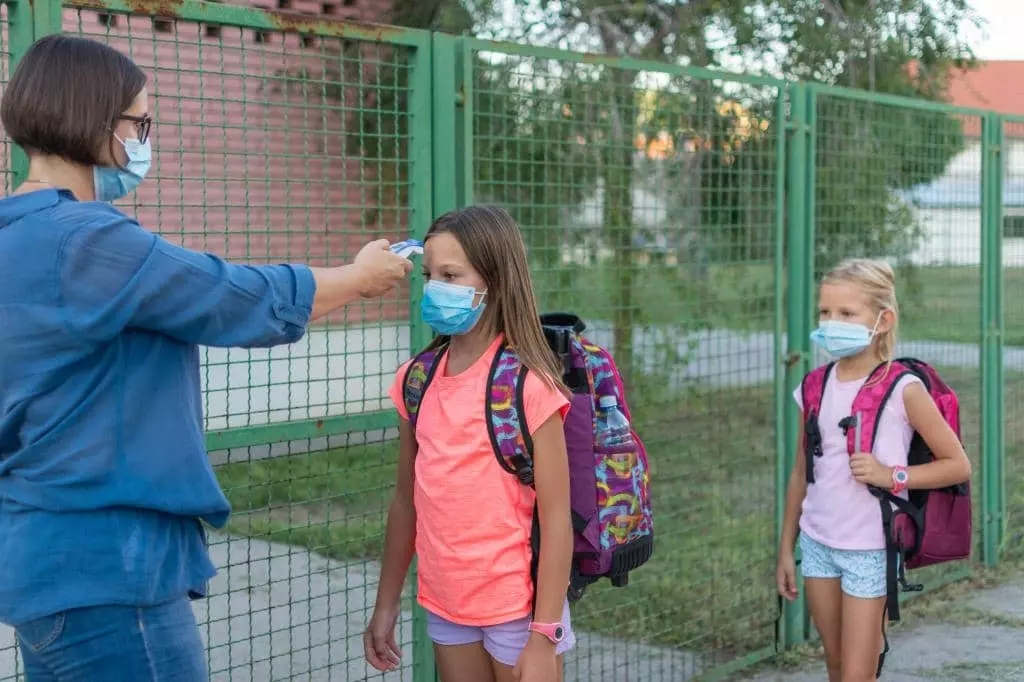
[{"x": 933, "y": 526}]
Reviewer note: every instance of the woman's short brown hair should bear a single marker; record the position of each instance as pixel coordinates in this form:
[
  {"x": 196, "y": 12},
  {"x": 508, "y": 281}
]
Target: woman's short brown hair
[{"x": 66, "y": 95}]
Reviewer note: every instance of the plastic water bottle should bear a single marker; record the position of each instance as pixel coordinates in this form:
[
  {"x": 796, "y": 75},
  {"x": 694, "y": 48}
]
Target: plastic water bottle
[{"x": 613, "y": 427}]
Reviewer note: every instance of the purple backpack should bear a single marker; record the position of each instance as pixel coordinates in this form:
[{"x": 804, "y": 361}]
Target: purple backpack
[
  {"x": 610, "y": 486},
  {"x": 933, "y": 526}
]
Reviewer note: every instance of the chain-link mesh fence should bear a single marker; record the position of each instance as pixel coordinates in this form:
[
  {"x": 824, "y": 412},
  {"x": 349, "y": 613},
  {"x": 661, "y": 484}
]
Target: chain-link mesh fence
[
  {"x": 1013, "y": 356},
  {"x": 284, "y": 146},
  {"x": 903, "y": 184},
  {"x": 649, "y": 203},
  {"x": 653, "y": 200}
]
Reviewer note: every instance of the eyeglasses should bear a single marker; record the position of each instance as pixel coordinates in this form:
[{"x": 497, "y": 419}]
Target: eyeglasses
[{"x": 143, "y": 124}]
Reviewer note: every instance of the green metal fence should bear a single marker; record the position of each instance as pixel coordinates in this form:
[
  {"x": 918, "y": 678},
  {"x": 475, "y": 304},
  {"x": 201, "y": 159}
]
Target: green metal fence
[{"x": 685, "y": 214}]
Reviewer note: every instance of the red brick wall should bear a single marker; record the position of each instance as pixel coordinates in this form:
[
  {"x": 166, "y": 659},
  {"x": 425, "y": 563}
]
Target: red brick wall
[{"x": 249, "y": 164}]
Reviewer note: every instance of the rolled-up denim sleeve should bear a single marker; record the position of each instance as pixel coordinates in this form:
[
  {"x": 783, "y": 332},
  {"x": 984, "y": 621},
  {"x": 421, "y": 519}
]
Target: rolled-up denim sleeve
[{"x": 115, "y": 276}]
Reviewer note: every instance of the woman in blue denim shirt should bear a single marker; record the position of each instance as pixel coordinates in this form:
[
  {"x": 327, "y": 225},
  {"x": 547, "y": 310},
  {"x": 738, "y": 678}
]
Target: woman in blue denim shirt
[{"x": 104, "y": 478}]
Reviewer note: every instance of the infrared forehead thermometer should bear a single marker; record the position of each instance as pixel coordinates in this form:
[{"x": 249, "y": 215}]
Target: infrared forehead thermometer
[{"x": 407, "y": 248}]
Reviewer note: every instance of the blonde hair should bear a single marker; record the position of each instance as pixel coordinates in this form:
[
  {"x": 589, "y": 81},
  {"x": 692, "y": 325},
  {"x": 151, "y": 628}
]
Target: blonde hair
[{"x": 876, "y": 279}]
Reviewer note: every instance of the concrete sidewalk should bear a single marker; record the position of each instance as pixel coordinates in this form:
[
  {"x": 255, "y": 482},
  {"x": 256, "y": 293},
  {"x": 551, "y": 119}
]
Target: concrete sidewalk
[
  {"x": 278, "y": 612},
  {"x": 987, "y": 647}
]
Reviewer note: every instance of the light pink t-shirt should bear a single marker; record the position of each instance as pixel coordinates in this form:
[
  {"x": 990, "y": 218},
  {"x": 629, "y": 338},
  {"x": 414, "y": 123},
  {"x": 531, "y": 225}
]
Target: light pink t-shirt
[{"x": 838, "y": 511}]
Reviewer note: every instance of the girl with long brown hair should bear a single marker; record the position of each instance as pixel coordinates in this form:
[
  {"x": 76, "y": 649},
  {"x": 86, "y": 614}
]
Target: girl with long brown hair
[{"x": 466, "y": 519}]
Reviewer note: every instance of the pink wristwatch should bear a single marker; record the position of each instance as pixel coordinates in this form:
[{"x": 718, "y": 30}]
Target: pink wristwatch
[
  {"x": 899, "y": 479},
  {"x": 553, "y": 631}
]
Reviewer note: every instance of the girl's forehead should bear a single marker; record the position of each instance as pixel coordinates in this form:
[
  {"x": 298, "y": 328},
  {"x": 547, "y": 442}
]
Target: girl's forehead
[
  {"x": 842, "y": 293},
  {"x": 444, "y": 246}
]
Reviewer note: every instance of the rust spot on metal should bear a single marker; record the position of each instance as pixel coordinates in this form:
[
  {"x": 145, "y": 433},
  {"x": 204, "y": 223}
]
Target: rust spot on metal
[
  {"x": 84, "y": 4},
  {"x": 159, "y": 8},
  {"x": 297, "y": 22},
  {"x": 154, "y": 8}
]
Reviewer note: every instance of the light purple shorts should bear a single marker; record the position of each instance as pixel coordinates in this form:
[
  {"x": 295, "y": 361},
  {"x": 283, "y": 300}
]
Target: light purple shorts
[{"x": 503, "y": 642}]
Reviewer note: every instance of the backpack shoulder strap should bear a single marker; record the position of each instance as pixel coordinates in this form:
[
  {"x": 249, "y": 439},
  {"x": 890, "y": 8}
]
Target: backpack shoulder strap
[
  {"x": 942, "y": 393},
  {"x": 928, "y": 375},
  {"x": 418, "y": 376},
  {"x": 506, "y": 416},
  {"x": 812, "y": 390},
  {"x": 870, "y": 401}
]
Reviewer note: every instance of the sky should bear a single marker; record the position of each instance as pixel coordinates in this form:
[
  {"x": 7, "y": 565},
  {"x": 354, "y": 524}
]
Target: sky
[{"x": 1000, "y": 38}]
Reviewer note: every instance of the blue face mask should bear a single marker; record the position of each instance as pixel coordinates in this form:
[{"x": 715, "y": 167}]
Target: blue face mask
[
  {"x": 842, "y": 339},
  {"x": 112, "y": 183},
  {"x": 449, "y": 309}
]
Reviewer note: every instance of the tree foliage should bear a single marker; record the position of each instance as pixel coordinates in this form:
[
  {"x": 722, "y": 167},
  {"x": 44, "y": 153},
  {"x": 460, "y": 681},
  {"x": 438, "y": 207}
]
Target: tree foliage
[
  {"x": 552, "y": 138},
  {"x": 718, "y": 175}
]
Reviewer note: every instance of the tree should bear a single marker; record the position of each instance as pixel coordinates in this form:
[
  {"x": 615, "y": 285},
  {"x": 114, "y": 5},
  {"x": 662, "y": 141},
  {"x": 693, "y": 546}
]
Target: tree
[
  {"x": 723, "y": 136},
  {"x": 550, "y": 134}
]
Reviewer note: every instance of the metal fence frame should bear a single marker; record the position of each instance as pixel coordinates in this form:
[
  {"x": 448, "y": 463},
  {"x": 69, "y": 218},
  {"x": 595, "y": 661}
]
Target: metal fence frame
[{"x": 442, "y": 177}]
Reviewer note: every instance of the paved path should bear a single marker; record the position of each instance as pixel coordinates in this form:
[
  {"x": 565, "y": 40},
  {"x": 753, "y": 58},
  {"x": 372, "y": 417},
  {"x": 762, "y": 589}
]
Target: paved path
[
  {"x": 989, "y": 650},
  {"x": 278, "y": 612}
]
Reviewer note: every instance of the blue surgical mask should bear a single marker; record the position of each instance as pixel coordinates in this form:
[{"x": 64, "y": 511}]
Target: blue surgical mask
[
  {"x": 843, "y": 339},
  {"x": 448, "y": 308},
  {"x": 112, "y": 183}
]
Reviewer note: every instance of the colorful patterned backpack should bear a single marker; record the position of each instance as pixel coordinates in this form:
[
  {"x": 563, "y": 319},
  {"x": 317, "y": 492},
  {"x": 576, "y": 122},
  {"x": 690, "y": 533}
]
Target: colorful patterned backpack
[
  {"x": 933, "y": 526},
  {"x": 610, "y": 487}
]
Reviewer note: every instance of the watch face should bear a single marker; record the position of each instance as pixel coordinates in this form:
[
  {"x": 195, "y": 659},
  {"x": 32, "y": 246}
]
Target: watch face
[
  {"x": 901, "y": 476},
  {"x": 559, "y": 632}
]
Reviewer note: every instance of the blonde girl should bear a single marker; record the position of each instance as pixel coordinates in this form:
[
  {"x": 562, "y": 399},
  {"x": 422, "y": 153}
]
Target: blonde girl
[{"x": 837, "y": 521}]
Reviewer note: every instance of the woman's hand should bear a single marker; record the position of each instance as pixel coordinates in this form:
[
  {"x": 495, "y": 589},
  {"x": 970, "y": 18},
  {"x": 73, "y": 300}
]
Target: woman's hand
[
  {"x": 538, "y": 662},
  {"x": 867, "y": 470},
  {"x": 379, "y": 646},
  {"x": 379, "y": 270},
  {"x": 785, "y": 576}
]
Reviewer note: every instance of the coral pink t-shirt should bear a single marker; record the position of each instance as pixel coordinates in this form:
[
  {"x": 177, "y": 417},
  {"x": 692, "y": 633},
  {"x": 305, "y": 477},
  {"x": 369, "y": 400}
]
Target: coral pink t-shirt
[
  {"x": 473, "y": 518},
  {"x": 838, "y": 511}
]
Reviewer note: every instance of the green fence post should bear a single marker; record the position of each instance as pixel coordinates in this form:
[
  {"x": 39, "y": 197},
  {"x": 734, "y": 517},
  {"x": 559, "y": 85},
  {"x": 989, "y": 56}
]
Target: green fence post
[
  {"x": 47, "y": 17},
  {"x": 444, "y": 99},
  {"x": 438, "y": 79},
  {"x": 421, "y": 136},
  {"x": 992, "y": 379},
  {"x": 27, "y": 21},
  {"x": 794, "y": 362},
  {"x": 810, "y": 264},
  {"x": 464, "y": 170},
  {"x": 442, "y": 160},
  {"x": 453, "y": 124}
]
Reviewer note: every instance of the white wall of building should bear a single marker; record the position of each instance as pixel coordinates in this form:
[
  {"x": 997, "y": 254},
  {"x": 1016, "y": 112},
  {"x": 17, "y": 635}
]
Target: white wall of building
[{"x": 949, "y": 211}]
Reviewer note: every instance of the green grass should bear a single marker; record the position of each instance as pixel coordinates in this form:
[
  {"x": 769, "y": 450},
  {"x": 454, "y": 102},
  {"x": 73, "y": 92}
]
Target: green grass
[
  {"x": 937, "y": 303},
  {"x": 710, "y": 586}
]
